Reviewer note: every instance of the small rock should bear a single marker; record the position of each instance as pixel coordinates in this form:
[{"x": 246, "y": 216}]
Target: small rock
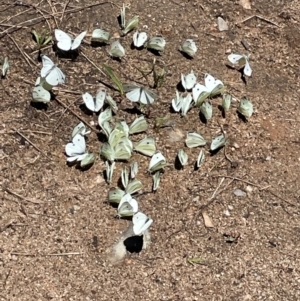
[{"x": 239, "y": 192}]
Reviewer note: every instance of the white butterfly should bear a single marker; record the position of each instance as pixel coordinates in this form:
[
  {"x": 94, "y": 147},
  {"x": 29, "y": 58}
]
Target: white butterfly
[
  {"x": 157, "y": 162},
  {"x": 139, "y": 39},
  {"x": 141, "y": 222},
  {"x": 76, "y": 149},
  {"x": 65, "y": 42},
  {"x": 157, "y": 43},
  {"x": 40, "y": 94},
  {"x": 140, "y": 94},
  {"x": 214, "y": 86},
  {"x": 218, "y": 142},
  {"x": 188, "y": 81},
  {"x": 242, "y": 60},
  {"x": 189, "y": 47},
  {"x": 81, "y": 129},
  {"x": 94, "y": 104},
  {"x": 116, "y": 49},
  {"x": 5, "y": 66},
  {"x": 128, "y": 206},
  {"x": 51, "y": 73}
]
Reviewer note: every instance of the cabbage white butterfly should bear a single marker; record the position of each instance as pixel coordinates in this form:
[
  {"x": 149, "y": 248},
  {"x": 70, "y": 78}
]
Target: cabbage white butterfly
[
  {"x": 214, "y": 86},
  {"x": 183, "y": 157},
  {"x": 125, "y": 177},
  {"x": 109, "y": 171},
  {"x": 156, "y": 180},
  {"x": 115, "y": 137},
  {"x": 188, "y": 81},
  {"x": 126, "y": 142},
  {"x": 81, "y": 129},
  {"x": 132, "y": 23},
  {"x": 64, "y": 41},
  {"x": 110, "y": 101},
  {"x": 106, "y": 115},
  {"x": 177, "y": 102},
  {"x": 206, "y": 110},
  {"x": 39, "y": 94},
  {"x": 146, "y": 146},
  {"x": 139, "y": 94},
  {"x": 194, "y": 140},
  {"x": 100, "y": 36},
  {"x": 122, "y": 151},
  {"x": 200, "y": 93},
  {"x": 87, "y": 160},
  {"x": 134, "y": 186},
  {"x": 138, "y": 125},
  {"x": 5, "y": 66},
  {"x": 116, "y": 49},
  {"x": 51, "y": 73},
  {"x": 141, "y": 222},
  {"x": 107, "y": 152},
  {"x": 94, "y": 104},
  {"x": 245, "y": 107},
  {"x": 157, "y": 43},
  {"x": 123, "y": 16},
  {"x": 157, "y": 162},
  {"x": 186, "y": 104},
  {"x": 242, "y": 60},
  {"x": 123, "y": 127},
  {"x": 76, "y": 149},
  {"x": 139, "y": 39},
  {"x": 226, "y": 102},
  {"x": 200, "y": 159},
  {"x": 189, "y": 47},
  {"x": 218, "y": 142},
  {"x": 115, "y": 195},
  {"x": 42, "y": 82},
  {"x": 128, "y": 206},
  {"x": 134, "y": 167}
]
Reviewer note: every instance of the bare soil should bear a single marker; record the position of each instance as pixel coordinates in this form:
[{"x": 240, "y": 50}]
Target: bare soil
[{"x": 55, "y": 223}]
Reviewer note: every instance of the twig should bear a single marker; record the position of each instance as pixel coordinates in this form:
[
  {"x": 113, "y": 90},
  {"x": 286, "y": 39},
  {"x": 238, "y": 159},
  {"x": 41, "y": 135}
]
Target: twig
[
  {"x": 53, "y": 12},
  {"x": 214, "y": 194},
  {"x": 63, "y": 12},
  {"x": 19, "y": 196},
  {"x": 259, "y": 17},
  {"x": 37, "y": 148},
  {"x": 93, "y": 63},
  {"x": 63, "y": 254},
  {"x": 26, "y": 59}
]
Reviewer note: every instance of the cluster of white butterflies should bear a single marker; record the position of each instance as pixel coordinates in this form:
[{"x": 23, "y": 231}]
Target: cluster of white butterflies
[{"x": 76, "y": 149}]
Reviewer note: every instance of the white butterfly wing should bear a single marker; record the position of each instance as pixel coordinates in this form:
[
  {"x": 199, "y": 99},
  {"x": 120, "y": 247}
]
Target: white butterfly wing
[
  {"x": 189, "y": 80},
  {"x": 100, "y": 97},
  {"x": 234, "y": 58},
  {"x": 210, "y": 82},
  {"x": 141, "y": 223},
  {"x": 76, "y": 147},
  {"x": 134, "y": 95},
  {"x": 47, "y": 65},
  {"x": 139, "y": 39},
  {"x": 64, "y": 41},
  {"x": 89, "y": 101},
  {"x": 55, "y": 77},
  {"x": 198, "y": 90},
  {"x": 247, "y": 69},
  {"x": 77, "y": 41},
  {"x": 147, "y": 96},
  {"x": 39, "y": 94}
]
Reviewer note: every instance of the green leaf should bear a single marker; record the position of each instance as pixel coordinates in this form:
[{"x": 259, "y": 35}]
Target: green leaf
[{"x": 109, "y": 71}]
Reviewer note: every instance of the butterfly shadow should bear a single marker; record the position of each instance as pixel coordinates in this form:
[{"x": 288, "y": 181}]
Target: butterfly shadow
[
  {"x": 180, "y": 87},
  {"x": 132, "y": 47},
  {"x": 223, "y": 112},
  {"x": 71, "y": 54},
  {"x": 186, "y": 55},
  {"x": 97, "y": 44},
  {"x": 202, "y": 118},
  {"x": 154, "y": 51},
  {"x": 40, "y": 106},
  {"x": 177, "y": 164},
  {"x": 134, "y": 244},
  {"x": 214, "y": 152},
  {"x": 242, "y": 117},
  {"x": 85, "y": 110}
]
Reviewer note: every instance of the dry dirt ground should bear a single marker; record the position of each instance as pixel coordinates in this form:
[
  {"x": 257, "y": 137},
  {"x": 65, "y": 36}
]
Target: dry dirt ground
[{"x": 55, "y": 223}]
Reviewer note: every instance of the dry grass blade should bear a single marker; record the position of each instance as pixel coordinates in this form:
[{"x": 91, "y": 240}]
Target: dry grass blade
[{"x": 19, "y": 196}]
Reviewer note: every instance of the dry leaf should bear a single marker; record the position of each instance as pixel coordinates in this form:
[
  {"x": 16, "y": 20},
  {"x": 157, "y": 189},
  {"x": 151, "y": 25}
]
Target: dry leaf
[
  {"x": 222, "y": 24},
  {"x": 245, "y": 3},
  {"x": 207, "y": 221}
]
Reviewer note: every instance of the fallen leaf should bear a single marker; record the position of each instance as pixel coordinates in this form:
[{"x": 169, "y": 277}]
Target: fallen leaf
[
  {"x": 207, "y": 221},
  {"x": 222, "y": 24},
  {"x": 245, "y": 3}
]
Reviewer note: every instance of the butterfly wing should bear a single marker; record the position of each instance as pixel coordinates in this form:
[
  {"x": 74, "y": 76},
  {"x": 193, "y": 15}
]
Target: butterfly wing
[
  {"x": 76, "y": 147},
  {"x": 234, "y": 58},
  {"x": 141, "y": 223},
  {"x": 47, "y": 65},
  {"x": 200, "y": 93},
  {"x": 211, "y": 83},
  {"x": 39, "y": 94},
  {"x": 100, "y": 97},
  {"x": 247, "y": 69},
  {"x": 64, "y": 41},
  {"x": 188, "y": 81},
  {"x": 55, "y": 77},
  {"x": 139, "y": 39},
  {"x": 134, "y": 94},
  {"x": 147, "y": 96},
  {"x": 77, "y": 41},
  {"x": 89, "y": 101}
]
